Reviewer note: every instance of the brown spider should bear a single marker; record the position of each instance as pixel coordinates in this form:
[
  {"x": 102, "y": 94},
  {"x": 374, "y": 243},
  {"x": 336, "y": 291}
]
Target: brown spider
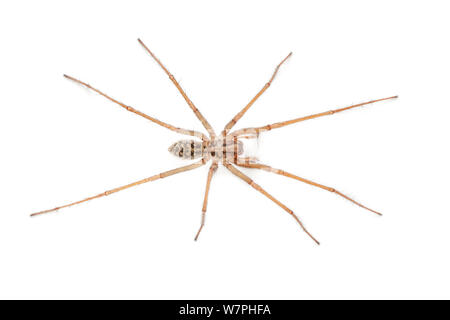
[{"x": 225, "y": 148}]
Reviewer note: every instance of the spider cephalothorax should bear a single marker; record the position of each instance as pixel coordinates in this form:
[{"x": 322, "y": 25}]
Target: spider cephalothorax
[{"x": 227, "y": 149}]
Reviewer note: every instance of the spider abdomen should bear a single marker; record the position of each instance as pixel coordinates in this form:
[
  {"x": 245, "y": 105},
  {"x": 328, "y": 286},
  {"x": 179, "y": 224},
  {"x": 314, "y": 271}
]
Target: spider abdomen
[{"x": 187, "y": 149}]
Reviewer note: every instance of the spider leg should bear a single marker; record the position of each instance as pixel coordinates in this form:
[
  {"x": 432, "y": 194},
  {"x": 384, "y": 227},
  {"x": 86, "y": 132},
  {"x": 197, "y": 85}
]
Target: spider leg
[
  {"x": 128, "y": 108},
  {"x": 241, "y": 175},
  {"x": 246, "y": 160},
  {"x": 152, "y": 178},
  {"x": 293, "y": 176},
  {"x": 268, "y": 127},
  {"x": 212, "y": 169},
  {"x": 241, "y": 113},
  {"x": 189, "y": 102}
]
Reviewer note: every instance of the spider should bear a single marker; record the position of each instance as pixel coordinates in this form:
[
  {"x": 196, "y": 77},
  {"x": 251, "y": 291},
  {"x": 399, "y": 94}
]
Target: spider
[{"x": 226, "y": 149}]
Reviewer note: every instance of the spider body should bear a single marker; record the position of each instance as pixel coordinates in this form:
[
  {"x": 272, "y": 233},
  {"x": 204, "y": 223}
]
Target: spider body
[
  {"x": 218, "y": 149},
  {"x": 227, "y": 148}
]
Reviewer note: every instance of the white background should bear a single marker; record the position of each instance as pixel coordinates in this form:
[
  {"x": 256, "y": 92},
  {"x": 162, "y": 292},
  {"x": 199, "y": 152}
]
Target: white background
[{"x": 61, "y": 142}]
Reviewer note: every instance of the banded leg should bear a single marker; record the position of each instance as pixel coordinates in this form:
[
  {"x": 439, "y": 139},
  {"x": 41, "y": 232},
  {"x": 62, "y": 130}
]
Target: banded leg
[
  {"x": 128, "y": 108},
  {"x": 268, "y": 127},
  {"x": 241, "y": 113},
  {"x": 293, "y": 176},
  {"x": 241, "y": 175},
  {"x": 212, "y": 169},
  {"x": 246, "y": 160},
  {"x": 189, "y": 102},
  {"x": 108, "y": 192}
]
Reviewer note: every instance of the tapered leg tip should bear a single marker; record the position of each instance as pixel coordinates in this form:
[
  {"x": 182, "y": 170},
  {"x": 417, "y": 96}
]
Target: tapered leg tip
[
  {"x": 70, "y": 78},
  {"x": 35, "y": 214},
  {"x": 376, "y": 212}
]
